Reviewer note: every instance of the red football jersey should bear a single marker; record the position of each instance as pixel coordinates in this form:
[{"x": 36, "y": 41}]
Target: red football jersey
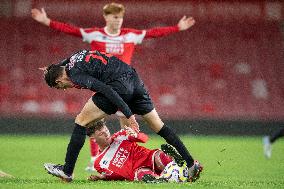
[
  {"x": 121, "y": 45},
  {"x": 124, "y": 156}
]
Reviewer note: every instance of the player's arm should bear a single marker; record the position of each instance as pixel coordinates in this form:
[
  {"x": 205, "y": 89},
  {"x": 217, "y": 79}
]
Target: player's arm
[
  {"x": 134, "y": 136},
  {"x": 97, "y": 177},
  {"x": 41, "y": 17},
  {"x": 104, "y": 174},
  {"x": 183, "y": 24},
  {"x": 95, "y": 85},
  {"x": 141, "y": 137}
]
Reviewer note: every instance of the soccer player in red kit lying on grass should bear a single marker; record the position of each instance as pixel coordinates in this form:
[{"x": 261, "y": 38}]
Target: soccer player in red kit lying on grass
[{"x": 121, "y": 158}]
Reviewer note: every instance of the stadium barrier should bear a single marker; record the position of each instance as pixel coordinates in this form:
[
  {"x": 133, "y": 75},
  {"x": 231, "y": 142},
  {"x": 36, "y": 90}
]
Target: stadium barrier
[{"x": 44, "y": 126}]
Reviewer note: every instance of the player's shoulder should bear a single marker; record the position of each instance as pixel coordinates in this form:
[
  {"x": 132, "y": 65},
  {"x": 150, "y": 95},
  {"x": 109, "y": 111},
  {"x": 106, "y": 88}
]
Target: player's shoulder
[
  {"x": 77, "y": 57},
  {"x": 93, "y": 29},
  {"x": 79, "y": 53},
  {"x": 130, "y": 30},
  {"x": 120, "y": 134}
]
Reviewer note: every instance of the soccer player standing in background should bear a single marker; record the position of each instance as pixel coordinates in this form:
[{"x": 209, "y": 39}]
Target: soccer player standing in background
[
  {"x": 269, "y": 140},
  {"x": 112, "y": 38}
]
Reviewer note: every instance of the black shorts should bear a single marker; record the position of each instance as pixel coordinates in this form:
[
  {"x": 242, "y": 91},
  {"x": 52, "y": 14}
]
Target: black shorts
[{"x": 132, "y": 90}]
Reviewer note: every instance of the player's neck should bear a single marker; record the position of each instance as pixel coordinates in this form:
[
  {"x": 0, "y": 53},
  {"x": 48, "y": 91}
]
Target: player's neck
[
  {"x": 111, "y": 31},
  {"x": 102, "y": 147}
]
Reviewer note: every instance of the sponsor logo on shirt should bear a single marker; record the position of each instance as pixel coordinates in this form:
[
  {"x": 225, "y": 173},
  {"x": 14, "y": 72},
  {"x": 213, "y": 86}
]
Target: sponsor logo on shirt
[
  {"x": 78, "y": 57},
  {"x": 114, "y": 48},
  {"x": 120, "y": 157}
]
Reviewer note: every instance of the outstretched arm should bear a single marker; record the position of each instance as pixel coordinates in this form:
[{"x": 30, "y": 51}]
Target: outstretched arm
[
  {"x": 183, "y": 24},
  {"x": 41, "y": 17}
]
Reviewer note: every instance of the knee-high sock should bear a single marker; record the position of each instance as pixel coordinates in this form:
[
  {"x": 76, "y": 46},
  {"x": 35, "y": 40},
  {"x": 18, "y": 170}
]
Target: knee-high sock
[
  {"x": 175, "y": 141},
  {"x": 277, "y": 135},
  {"x": 76, "y": 143}
]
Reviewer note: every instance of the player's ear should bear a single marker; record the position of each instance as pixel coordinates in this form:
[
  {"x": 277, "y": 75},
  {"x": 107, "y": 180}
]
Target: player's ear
[
  {"x": 43, "y": 68},
  {"x": 92, "y": 137},
  {"x": 105, "y": 16},
  {"x": 58, "y": 81}
]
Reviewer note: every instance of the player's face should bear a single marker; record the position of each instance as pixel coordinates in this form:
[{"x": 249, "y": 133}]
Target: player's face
[
  {"x": 63, "y": 83},
  {"x": 114, "y": 21},
  {"x": 102, "y": 136}
]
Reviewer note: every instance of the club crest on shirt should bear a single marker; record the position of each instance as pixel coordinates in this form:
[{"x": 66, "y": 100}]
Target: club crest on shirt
[{"x": 105, "y": 162}]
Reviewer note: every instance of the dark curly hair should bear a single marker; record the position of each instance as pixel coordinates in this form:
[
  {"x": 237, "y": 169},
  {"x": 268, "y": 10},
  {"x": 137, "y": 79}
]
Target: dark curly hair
[
  {"x": 94, "y": 126},
  {"x": 52, "y": 73}
]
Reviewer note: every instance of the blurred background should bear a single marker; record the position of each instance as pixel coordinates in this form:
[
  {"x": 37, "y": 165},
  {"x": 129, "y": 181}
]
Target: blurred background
[{"x": 225, "y": 75}]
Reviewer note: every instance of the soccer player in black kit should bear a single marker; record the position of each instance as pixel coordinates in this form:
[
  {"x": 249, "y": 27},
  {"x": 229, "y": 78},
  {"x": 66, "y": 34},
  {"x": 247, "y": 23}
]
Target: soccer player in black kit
[{"x": 117, "y": 87}]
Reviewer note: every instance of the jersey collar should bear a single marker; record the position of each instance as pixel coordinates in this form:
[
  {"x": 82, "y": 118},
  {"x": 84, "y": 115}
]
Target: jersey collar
[{"x": 112, "y": 35}]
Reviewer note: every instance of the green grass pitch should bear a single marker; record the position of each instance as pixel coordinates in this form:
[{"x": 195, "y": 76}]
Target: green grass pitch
[{"x": 229, "y": 162}]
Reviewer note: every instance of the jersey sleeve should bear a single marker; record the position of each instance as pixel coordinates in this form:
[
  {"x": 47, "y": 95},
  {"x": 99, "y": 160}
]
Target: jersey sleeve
[
  {"x": 141, "y": 137},
  {"x": 114, "y": 176},
  {"x": 109, "y": 175},
  {"x": 66, "y": 28},
  {"x": 161, "y": 31},
  {"x": 95, "y": 85}
]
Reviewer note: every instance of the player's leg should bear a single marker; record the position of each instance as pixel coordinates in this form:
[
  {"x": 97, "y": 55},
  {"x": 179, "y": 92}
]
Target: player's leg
[
  {"x": 267, "y": 147},
  {"x": 161, "y": 160},
  {"x": 147, "y": 175},
  {"x": 140, "y": 172},
  {"x": 89, "y": 113},
  {"x": 275, "y": 136},
  {"x": 141, "y": 104},
  {"x": 94, "y": 150},
  {"x": 269, "y": 140},
  {"x": 156, "y": 124}
]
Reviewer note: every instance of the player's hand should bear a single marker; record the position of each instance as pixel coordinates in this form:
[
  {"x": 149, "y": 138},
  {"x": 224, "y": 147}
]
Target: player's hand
[
  {"x": 130, "y": 132},
  {"x": 40, "y": 16},
  {"x": 96, "y": 177},
  {"x": 132, "y": 123},
  {"x": 185, "y": 23}
]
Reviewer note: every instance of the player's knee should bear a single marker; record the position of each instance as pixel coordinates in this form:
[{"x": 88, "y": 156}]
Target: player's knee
[
  {"x": 84, "y": 119},
  {"x": 79, "y": 120}
]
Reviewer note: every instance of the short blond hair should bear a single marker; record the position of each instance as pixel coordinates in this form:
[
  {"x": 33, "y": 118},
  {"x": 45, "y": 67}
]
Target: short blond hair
[{"x": 113, "y": 8}]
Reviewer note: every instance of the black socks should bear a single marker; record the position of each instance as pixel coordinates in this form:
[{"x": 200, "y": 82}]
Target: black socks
[
  {"x": 76, "y": 143},
  {"x": 276, "y": 135},
  {"x": 175, "y": 141}
]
